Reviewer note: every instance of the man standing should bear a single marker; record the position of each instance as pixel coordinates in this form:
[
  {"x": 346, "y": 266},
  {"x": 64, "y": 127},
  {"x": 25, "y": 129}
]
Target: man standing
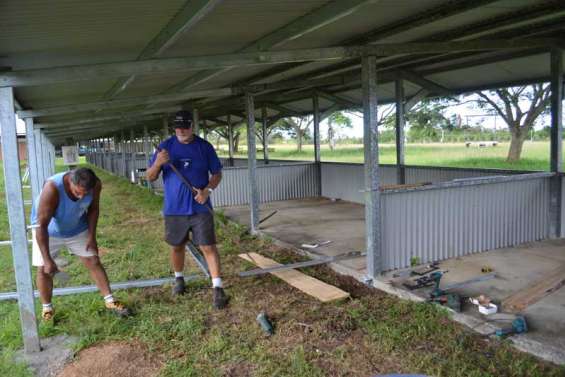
[
  {"x": 66, "y": 214},
  {"x": 186, "y": 210}
]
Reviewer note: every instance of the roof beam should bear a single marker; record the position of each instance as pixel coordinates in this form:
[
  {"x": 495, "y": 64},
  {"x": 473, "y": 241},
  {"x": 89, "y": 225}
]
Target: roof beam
[
  {"x": 314, "y": 20},
  {"x": 44, "y": 76},
  {"x": 423, "y": 82},
  {"x": 158, "y": 112},
  {"x": 338, "y": 100},
  {"x": 192, "y": 12},
  {"x": 129, "y": 102},
  {"x": 549, "y": 10}
]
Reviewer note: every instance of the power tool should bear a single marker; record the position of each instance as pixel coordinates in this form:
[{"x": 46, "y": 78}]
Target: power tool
[{"x": 518, "y": 326}]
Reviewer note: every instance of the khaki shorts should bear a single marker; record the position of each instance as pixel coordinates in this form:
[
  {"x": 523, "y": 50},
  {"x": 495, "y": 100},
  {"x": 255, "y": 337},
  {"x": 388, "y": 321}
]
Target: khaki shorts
[{"x": 75, "y": 244}]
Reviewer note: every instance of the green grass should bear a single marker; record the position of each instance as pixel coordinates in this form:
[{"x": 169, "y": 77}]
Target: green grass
[
  {"x": 535, "y": 155},
  {"x": 372, "y": 333}
]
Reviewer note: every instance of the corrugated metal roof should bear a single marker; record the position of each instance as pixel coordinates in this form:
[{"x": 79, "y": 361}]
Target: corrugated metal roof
[{"x": 37, "y": 34}]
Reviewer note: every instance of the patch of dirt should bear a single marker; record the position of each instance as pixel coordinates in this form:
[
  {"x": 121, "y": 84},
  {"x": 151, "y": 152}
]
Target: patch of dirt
[
  {"x": 116, "y": 359},
  {"x": 242, "y": 369}
]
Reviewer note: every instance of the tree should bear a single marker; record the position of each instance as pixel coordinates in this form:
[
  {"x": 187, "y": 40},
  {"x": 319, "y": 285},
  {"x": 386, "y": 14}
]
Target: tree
[
  {"x": 223, "y": 132},
  {"x": 519, "y": 107},
  {"x": 427, "y": 120},
  {"x": 296, "y": 126},
  {"x": 337, "y": 118}
]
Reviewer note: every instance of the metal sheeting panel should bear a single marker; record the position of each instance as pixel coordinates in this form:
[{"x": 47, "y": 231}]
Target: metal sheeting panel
[
  {"x": 451, "y": 222},
  {"x": 346, "y": 181},
  {"x": 275, "y": 182}
]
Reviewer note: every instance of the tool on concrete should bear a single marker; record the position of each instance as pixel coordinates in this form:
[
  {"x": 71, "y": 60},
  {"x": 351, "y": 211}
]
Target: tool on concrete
[
  {"x": 265, "y": 323},
  {"x": 315, "y": 262},
  {"x": 315, "y": 245},
  {"x": 268, "y": 217},
  {"x": 486, "y": 269},
  {"x": 518, "y": 326}
]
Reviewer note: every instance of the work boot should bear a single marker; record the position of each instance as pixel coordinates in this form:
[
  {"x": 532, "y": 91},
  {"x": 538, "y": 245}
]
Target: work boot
[
  {"x": 118, "y": 309},
  {"x": 220, "y": 300},
  {"x": 180, "y": 287},
  {"x": 47, "y": 315}
]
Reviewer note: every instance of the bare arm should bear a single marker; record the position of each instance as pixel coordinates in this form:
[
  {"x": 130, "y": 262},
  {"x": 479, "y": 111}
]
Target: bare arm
[
  {"x": 92, "y": 216},
  {"x": 48, "y": 202},
  {"x": 203, "y": 194},
  {"x": 153, "y": 172}
]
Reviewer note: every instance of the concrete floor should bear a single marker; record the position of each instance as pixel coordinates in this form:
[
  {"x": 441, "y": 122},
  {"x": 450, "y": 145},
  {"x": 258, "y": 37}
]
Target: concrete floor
[{"x": 308, "y": 221}]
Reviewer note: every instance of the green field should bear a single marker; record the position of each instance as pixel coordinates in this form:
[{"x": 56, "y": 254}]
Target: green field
[
  {"x": 535, "y": 155},
  {"x": 371, "y": 333}
]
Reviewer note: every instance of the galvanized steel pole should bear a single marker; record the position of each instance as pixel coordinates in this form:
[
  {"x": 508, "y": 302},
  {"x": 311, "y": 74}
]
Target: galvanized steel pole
[
  {"x": 123, "y": 150},
  {"x": 230, "y": 140},
  {"x": 372, "y": 194},
  {"x": 39, "y": 157},
  {"x": 252, "y": 164},
  {"x": 556, "y": 162},
  {"x": 265, "y": 135},
  {"x": 317, "y": 152},
  {"x": 195, "y": 121},
  {"x": 32, "y": 159},
  {"x": 400, "y": 123},
  {"x": 133, "y": 155},
  {"x": 16, "y": 216}
]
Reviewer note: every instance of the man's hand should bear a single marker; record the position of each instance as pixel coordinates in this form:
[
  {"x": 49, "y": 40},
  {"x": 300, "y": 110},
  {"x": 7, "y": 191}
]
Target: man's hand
[
  {"x": 92, "y": 245},
  {"x": 162, "y": 157},
  {"x": 49, "y": 267},
  {"x": 201, "y": 195}
]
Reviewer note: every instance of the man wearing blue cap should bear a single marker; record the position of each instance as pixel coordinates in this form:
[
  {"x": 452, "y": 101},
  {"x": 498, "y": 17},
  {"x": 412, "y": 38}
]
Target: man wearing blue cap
[{"x": 185, "y": 210}]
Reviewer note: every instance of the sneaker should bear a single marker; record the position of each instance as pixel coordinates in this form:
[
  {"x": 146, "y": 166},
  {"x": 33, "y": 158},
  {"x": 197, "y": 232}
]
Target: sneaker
[
  {"x": 47, "y": 315},
  {"x": 180, "y": 287},
  {"x": 220, "y": 300},
  {"x": 118, "y": 309}
]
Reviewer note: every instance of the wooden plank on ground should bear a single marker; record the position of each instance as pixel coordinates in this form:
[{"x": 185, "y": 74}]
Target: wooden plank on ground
[
  {"x": 307, "y": 284},
  {"x": 532, "y": 294}
]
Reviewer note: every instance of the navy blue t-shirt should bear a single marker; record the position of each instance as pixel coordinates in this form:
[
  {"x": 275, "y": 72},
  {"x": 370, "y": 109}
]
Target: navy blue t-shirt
[{"x": 195, "y": 161}]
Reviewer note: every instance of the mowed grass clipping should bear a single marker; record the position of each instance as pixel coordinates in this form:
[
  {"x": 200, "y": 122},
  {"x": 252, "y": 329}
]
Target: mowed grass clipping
[{"x": 371, "y": 333}]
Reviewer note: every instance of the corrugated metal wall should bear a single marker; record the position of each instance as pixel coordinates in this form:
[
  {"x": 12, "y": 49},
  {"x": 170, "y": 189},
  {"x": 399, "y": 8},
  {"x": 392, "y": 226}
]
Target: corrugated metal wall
[
  {"x": 275, "y": 182},
  {"x": 440, "y": 223},
  {"x": 346, "y": 181}
]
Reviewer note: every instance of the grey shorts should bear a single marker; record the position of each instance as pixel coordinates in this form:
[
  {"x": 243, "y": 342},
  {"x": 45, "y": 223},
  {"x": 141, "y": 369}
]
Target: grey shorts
[{"x": 177, "y": 229}]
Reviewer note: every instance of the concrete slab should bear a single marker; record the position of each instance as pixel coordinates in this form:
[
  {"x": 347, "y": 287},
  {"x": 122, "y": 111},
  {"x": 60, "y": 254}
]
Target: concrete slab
[
  {"x": 56, "y": 352},
  {"x": 318, "y": 219}
]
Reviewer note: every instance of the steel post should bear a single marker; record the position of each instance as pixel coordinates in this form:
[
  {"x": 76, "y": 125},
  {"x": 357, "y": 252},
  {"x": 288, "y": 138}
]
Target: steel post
[
  {"x": 16, "y": 216},
  {"x": 123, "y": 171},
  {"x": 252, "y": 164},
  {"x": 400, "y": 123},
  {"x": 317, "y": 151},
  {"x": 39, "y": 155},
  {"x": 556, "y": 141},
  {"x": 32, "y": 159},
  {"x": 371, "y": 149},
  {"x": 195, "y": 121},
  {"x": 265, "y": 135},
  {"x": 230, "y": 140}
]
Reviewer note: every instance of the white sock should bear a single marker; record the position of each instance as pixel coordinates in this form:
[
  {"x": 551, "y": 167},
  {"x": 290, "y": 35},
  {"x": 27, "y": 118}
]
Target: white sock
[
  {"x": 47, "y": 306},
  {"x": 108, "y": 299},
  {"x": 179, "y": 274},
  {"x": 217, "y": 283}
]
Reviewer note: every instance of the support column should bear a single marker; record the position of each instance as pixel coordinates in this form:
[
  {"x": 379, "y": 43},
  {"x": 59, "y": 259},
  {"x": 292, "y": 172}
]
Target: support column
[
  {"x": 16, "y": 216},
  {"x": 230, "y": 140},
  {"x": 556, "y": 157},
  {"x": 371, "y": 149},
  {"x": 39, "y": 155},
  {"x": 265, "y": 135},
  {"x": 123, "y": 171},
  {"x": 400, "y": 124},
  {"x": 195, "y": 121},
  {"x": 132, "y": 156},
  {"x": 146, "y": 150},
  {"x": 252, "y": 164},
  {"x": 32, "y": 159},
  {"x": 317, "y": 152}
]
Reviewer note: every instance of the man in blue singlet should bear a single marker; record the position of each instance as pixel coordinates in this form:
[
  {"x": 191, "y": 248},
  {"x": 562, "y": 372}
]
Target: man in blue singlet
[
  {"x": 185, "y": 210},
  {"x": 66, "y": 214}
]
